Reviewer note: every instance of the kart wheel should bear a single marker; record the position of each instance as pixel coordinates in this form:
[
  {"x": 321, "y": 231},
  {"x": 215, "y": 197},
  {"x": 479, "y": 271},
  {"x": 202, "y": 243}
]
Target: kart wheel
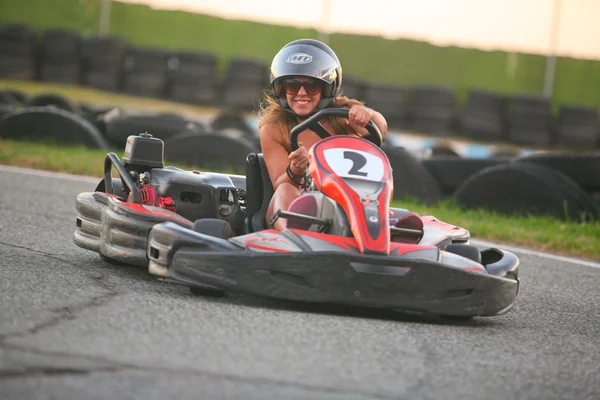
[
  {"x": 207, "y": 291},
  {"x": 465, "y": 250},
  {"x": 213, "y": 227}
]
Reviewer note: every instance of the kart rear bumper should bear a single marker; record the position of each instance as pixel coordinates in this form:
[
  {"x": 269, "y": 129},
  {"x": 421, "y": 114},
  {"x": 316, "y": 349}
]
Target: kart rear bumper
[
  {"x": 110, "y": 228},
  {"x": 331, "y": 276}
]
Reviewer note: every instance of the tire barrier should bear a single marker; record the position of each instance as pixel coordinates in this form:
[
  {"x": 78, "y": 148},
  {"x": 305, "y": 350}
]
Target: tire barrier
[
  {"x": 584, "y": 169},
  {"x": 244, "y": 84},
  {"x": 411, "y": 178},
  {"x": 529, "y": 120},
  {"x": 209, "y": 150},
  {"x": 353, "y": 88},
  {"x": 58, "y": 57},
  {"x": 578, "y": 127},
  {"x": 232, "y": 119},
  {"x": 17, "y": 51},
  {"x": 193, "y": 78},
  {"x": 13, "y": 96},
  {"x": 6, "y": 109},
  {"x": 145, "y": 73},
  {"x": 450, "y": 172},
  {"x": 50, "y": 123},
  {"x": 526, "y": 189},
  {"x": 103, "y": 61},
  {"x": 483, "y": 118},
  {"x": 504, "y": 151},
  {"x": 390, "y": 100},
  {"x": 52, "y": 99},
  {"x": 439, "y": 150},
  {"x": 434, "y": 110},
  {"x": 119, "y": 125},
  {"x": 109, "y": 63},
  {"x": 522, "y": 184},
  {"x": 7, "y": 98},
  {"x": 95, "y": 115}
]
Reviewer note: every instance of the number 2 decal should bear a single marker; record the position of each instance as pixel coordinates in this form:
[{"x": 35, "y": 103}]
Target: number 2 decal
[
  {"x": 354, "y": 163},
  {"x": 358, "y": 161}
]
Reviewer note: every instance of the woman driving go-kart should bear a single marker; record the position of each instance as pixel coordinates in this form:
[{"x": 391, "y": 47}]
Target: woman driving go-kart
[{"x": 306, "y": 77}]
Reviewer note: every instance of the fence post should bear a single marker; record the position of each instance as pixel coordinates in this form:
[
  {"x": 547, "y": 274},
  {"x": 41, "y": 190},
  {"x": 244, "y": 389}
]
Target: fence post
[
  {"x": 105, "y": 17},
  {"x": 551, "y": 59},
  {"x": 322, "y": 31}
]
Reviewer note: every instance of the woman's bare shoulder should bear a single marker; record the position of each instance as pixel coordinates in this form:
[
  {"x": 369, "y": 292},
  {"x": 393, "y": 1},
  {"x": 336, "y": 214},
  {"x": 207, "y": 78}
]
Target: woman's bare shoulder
[{"x": 271, "y": 131}]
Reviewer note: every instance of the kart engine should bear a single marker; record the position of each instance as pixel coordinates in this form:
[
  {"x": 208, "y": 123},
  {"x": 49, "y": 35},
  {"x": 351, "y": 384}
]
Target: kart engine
[
  {"x": 191, "y": 194},
  {"x": 143, "y": 152}
]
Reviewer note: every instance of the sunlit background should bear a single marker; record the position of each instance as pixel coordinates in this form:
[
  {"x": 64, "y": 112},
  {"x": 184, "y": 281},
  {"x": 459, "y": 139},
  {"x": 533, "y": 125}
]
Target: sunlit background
[{"x": 514, "y": 25}]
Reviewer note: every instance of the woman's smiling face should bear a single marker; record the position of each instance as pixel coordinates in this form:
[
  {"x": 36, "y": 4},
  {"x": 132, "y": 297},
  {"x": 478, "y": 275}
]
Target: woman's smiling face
[{"x": 302, "y": 94}]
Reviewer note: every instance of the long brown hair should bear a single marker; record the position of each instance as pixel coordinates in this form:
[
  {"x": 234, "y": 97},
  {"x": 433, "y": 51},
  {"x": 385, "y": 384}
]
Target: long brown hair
[{"x": 271, "y": 112}]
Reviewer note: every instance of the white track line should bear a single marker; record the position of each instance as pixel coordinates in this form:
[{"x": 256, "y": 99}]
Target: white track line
[
  {"x": 48, "y": 174},
  {"x": 571, "y": 260},
  {"x": 530, "y": 252}
]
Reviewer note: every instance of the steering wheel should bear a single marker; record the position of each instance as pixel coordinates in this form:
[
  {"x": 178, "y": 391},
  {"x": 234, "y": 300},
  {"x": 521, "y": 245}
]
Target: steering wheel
[{"x": 314, "y": 123}]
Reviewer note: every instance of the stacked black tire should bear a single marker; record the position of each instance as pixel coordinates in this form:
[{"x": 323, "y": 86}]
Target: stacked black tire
[
  {"x": 353, "y": 88},
  {"x": 529, "y": 120},
  {"x": 390, "y": 100},
  {"x": 145, "y": 72},
  {"x": 484, "y": 116},
  {"x": 193, "y": 78},
  {"x": 58, "y": 57},
  {"x": 17, "y": 51},
  {"x": 103, "y": 60},
  {"x": 243, "y": 84},
  {"x": 434, "y": 110},
  {"x": 578, "y": 127}
]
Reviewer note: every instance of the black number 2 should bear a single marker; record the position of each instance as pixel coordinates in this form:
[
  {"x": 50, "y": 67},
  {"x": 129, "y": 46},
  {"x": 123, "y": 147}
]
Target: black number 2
[{"x": 358, "y": 161}]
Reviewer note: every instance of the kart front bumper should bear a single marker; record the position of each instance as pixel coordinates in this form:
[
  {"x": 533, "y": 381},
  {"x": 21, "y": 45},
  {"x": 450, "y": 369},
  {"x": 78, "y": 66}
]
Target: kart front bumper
[
  {"x": 393, "y": 282},
  {"x": 117, "y": 230}
]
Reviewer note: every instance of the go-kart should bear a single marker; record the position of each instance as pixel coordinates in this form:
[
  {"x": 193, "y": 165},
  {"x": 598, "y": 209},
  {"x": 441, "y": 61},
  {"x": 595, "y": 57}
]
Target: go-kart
[{"x": 343, "y": 243}]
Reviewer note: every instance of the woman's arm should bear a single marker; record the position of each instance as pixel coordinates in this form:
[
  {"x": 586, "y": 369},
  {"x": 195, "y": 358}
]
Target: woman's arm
[
  {"x": 380, "y": 121},
  {"x": 360, "y": 115},
  {"x": 276, "y": 156}
]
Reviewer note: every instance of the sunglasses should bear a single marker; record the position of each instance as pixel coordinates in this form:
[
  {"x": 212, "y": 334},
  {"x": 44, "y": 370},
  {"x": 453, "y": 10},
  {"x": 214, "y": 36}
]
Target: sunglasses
[{"x": 292, "y": 86}]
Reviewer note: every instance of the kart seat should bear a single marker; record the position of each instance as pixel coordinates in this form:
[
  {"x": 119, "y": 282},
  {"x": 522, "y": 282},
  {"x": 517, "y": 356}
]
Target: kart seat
[
  {"x": 410, "y": 220},
  {"x": 314, "y": 204},
  {"x": 259, "y": 191}
]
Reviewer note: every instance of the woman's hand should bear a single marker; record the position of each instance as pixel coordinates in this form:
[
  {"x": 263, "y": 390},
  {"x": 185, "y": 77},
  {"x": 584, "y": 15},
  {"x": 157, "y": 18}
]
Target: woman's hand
[
  {"x": 299, "y": 159},
  {"x": 360, "y": 115}
]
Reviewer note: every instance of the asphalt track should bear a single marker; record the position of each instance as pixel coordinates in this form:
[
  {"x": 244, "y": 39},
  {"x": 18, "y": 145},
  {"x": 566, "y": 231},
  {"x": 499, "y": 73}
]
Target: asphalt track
[{"x": 75, "y": 327}]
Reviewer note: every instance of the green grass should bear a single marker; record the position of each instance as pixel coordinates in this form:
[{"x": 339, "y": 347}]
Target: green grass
[
  {"x": 80, "y": 94},
  {"x": 562, "y": 237},
  {"x": 368, "y": 57},
  {"x": 50, "y": 156}
]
